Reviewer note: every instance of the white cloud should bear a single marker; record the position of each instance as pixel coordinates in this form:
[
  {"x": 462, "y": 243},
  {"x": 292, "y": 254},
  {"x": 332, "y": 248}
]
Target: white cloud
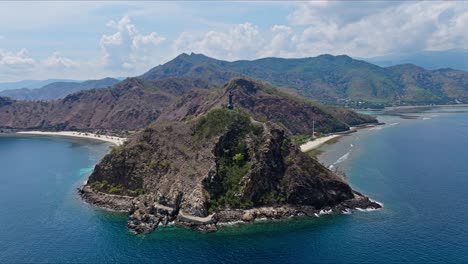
[
  {"x": 360, "y": 29},
  {"x": 127, "y": 49},
  {"x": 58, "y": 62},
  {"x": 450, "y": 35},
  {"x": 281, "y": 44},
  {"x": 340, "y": 27},
  {"x": 236, "y": 42},
  {"x": 16, "y": 60},
  {"x": 16, "y": 64},
  {"x": 21, "y": 65},
  {"x": 378, "y": 28}
]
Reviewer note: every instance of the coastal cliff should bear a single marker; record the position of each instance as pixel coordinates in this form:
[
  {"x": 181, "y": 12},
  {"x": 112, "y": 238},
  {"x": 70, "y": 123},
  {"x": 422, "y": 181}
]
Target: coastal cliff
[{"x": 202, "y": 165}]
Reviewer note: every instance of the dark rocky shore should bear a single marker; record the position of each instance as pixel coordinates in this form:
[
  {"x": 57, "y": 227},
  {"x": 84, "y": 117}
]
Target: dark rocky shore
[{"x": 145, "y": 215}]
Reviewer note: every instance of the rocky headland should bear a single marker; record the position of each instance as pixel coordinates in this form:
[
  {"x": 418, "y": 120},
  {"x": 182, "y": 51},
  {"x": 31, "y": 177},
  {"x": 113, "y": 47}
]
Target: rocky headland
[{"x": 201, "y": 165}]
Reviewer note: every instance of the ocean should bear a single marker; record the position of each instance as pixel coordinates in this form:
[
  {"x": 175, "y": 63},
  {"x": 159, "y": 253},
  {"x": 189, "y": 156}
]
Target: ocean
[{"x": 416, "y": 167}]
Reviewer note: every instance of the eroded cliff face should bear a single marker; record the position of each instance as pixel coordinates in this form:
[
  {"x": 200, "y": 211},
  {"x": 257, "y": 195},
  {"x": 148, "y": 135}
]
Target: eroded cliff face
[{"x": 216, "y": 167}]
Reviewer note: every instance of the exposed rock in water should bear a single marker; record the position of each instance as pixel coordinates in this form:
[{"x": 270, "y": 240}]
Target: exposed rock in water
[{"x": 200, "y": 166}]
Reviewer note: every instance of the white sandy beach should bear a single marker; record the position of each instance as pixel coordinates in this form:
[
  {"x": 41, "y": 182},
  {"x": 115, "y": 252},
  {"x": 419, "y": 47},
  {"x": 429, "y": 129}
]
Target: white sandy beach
[
  {"x": 114, "y": 140},
  {"x": 316, "y": 143}
]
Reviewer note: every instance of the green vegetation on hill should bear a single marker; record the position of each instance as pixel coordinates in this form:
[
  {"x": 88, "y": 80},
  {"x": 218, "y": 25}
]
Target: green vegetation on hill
[
  {"x": 232, "y": 157},
  {"x": 219, "y": 120},
  {"x": 330, "y": 79}
]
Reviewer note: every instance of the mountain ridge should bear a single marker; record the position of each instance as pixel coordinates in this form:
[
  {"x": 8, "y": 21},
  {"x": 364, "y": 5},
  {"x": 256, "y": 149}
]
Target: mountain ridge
[
  {"x": 129, "y": 105},
  {"x": 327, "y": 79},
  {"x": 56, "y": 90},
  {"x": 30, "y": 84},
  {"x": 433, "y": 60}
]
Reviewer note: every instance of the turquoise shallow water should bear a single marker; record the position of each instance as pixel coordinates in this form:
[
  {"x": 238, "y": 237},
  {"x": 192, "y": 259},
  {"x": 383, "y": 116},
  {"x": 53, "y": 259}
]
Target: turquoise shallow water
[{"x": 417, "y": 168}]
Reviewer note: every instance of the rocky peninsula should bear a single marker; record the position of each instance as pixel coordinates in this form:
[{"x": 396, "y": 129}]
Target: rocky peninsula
[{"x": 202, "y": 164}]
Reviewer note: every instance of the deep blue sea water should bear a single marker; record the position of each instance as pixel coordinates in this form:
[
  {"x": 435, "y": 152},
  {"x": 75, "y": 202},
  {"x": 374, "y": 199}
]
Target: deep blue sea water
[{"x": 417, "y": 168}]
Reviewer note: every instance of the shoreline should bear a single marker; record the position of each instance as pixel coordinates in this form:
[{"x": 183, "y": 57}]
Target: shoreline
[
  {"x": 422, "y": 106},
  {"x": 313, "y": 144},
  {"x": 316, "y": 143},
  {"x": 72, "y": 134},
  {"x": 145, "y": 214}
]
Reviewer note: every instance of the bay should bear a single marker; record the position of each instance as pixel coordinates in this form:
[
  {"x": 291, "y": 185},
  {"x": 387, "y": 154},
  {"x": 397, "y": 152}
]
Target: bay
[{"x": 417, "y": 168}]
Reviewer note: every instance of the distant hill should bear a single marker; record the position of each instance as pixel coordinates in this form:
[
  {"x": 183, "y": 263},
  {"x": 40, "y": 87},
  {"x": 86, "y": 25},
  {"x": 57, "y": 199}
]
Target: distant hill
[
  {"x": 127, "y": 105},
  {"x": 330, "y": 79},
  {"x": 134, "y": 103},
  {"x": 455, "y": 59},
  {"x": 56, "y": 90},
  {"x": 31, "y": 84}
]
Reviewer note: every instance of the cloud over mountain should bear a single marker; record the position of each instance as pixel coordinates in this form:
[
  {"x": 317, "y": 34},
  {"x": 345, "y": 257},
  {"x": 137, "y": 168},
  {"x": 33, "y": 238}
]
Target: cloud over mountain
[
  {"x": 127, "y": 38},
  {"x": 127, "y": 48},
  {"x": 59, "y": 62},
  {"x": 235, "y": 42}
]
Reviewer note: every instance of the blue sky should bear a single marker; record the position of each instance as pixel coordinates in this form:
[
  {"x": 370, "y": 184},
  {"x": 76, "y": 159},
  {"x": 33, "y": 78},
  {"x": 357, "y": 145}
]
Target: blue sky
[{"x": 88, "y": 40}]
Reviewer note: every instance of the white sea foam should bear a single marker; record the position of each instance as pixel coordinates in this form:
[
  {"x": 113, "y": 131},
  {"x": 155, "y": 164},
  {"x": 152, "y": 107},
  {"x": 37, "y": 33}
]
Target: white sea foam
[
  {"x": 342, "y": 158},
  {"x": 371, "y": 209},
  {"x": 367, "y": 209},
  {"x": 426, "y": 118},
  {"x": 377, "y": 202},
  {"x": 384, "y": 126},
  {"x": 325, "y": 212},
  {"x": 347, "y": 211},
  {"x": 232, "y": 223}
]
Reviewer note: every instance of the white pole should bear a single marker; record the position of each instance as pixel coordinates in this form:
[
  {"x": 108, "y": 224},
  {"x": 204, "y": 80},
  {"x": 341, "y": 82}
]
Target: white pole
[{"x": 313, "y": 128}]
